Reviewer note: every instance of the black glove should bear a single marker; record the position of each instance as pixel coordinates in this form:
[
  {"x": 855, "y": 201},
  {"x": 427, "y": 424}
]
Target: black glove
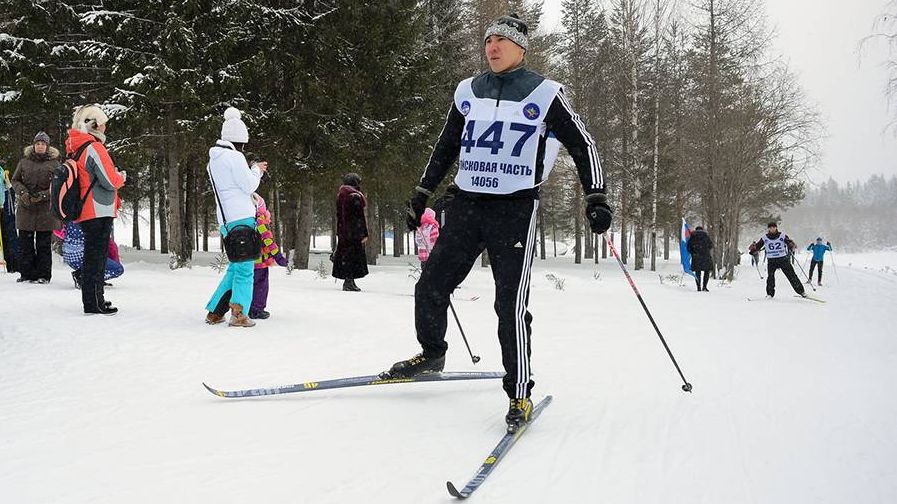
[
  {"x": 598, "y": 212},
  {"x": 416, "y": 208}
]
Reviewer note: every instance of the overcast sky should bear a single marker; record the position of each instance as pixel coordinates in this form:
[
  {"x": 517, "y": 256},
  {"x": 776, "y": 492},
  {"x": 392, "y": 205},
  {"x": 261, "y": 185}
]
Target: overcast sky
[{"x": 819, "y": 39}]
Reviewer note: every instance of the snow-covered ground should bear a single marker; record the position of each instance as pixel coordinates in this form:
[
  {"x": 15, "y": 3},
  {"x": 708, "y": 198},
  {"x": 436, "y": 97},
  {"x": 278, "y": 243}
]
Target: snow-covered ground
[{"x": 793, "y": 401}]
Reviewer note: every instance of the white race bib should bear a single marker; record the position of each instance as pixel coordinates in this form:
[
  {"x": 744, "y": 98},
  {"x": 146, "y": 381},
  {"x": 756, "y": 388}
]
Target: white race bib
[
  {"x": 499, "y": 145},
  {"x": 775, "y": 248}
]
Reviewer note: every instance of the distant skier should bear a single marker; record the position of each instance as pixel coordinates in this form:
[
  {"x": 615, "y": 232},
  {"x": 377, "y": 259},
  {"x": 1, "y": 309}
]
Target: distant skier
[
  {"x": 499, "y": 124},
  {"x": 778, "y": 250},
  {"x": 699, "y": 246},
  {"x": 819, "y": 250},
  {"x": 755, "y": 258}
]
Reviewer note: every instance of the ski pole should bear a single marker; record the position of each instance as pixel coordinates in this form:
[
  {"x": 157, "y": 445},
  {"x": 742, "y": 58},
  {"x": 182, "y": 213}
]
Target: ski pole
[
  {"x": 834, "y": 268},
  {"x": 809, "y": 281},
  {"x": 473, "y": 358},
  {"x": 687, "y": 386},
  {"x": 2, "y": 257}
]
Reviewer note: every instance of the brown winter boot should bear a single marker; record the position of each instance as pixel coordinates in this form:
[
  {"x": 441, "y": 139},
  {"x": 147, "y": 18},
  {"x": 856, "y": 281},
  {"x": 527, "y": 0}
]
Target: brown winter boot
[
  {"x": 214, "y": 319},
  {"x": 238, "y": 318}
]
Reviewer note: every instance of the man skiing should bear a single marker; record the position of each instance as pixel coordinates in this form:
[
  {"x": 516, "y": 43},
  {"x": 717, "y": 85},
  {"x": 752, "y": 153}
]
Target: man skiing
[
  {"x": 819, "y": 250},
  {"x": 778, "y": 250},
  {"x": 500, "y": 125}
]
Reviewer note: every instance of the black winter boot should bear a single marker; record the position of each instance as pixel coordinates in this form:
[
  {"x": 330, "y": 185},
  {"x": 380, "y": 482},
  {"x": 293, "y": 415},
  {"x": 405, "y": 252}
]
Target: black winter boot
[
  {"x": 349, "y": 285},
  {"x": 414, "y": 366},
  {"x": 518, "y": 413},
  {"x": 107, "y": 309}
]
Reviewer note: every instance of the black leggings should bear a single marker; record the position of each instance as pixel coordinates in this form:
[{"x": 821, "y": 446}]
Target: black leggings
[
  {"x": 36, "y": 258},
  {"x": 702, "y": 284},
  {"x": 814, "y": 263}
]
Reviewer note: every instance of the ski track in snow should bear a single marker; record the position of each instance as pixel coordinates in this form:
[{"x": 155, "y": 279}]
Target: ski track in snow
[{"x": 792, "y": 400}]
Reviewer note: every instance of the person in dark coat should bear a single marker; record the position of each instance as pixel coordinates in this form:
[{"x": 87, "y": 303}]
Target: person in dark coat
[
  {"x": 34, "y": 220},
  {"x": 349, "y": 260},
  {"x": 9, "y": 238},
  {"x": 699, "y": 246}
]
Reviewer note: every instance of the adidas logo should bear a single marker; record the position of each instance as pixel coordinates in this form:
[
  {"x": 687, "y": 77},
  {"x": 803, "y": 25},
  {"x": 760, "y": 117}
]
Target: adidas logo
[{"x": 518, "y": 245}]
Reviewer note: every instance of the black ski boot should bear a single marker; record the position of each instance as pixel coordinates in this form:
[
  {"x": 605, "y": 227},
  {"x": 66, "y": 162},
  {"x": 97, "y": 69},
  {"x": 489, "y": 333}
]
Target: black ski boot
[
  {"x": 414, "y": 366},
  {"x": 518, "y": 414}
]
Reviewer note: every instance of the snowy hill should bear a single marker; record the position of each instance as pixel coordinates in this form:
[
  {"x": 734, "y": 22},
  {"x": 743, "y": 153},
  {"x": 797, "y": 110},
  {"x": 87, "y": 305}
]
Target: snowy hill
[{"x": 792, "y": 401}]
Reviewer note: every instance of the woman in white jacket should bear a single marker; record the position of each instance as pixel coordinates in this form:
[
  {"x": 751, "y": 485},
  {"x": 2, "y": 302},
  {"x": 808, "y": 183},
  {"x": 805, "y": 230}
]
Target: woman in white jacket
[{"x": 234, "y": 181}]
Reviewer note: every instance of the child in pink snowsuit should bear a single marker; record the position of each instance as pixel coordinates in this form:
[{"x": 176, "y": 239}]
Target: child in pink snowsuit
[
  {"x": 270, "y": 255},
  {"x": 426, "y": 235}
]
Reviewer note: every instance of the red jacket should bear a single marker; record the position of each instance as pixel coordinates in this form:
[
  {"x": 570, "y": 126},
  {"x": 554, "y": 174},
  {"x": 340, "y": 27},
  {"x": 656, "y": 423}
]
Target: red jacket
[{"x": 95, "y": 163}]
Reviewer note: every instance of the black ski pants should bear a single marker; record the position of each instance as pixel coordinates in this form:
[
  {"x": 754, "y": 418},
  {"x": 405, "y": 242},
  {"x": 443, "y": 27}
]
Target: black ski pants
[
  {"x": 701, "y": 280},
  {"x": 35, "y": 255},
  {"x": 96, "y": 247},
  {"x": 815, "y": 263},
  {"x": 506, "y": 229},
  {"x": 783, "y": 264}
]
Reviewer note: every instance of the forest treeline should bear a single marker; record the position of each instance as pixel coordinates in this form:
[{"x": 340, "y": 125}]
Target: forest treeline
[
  {"x": 693, "y": 115},
  {"x": 856, "y": 216}
]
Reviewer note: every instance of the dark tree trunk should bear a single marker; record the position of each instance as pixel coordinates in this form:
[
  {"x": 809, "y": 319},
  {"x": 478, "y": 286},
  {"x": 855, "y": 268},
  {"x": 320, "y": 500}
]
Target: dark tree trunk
[
  {"x": 163, "y": 215},
  {"x": 135, "y": 225},
  {"x": 375, "y": 232},
  {"x": 278, "y": 223},
  {"x": 191, "y": 239},
  {"x": 177, "y": 224},
  {"x": 639, "y": 246},
  {"x": 303, "y": 228},
  {"x": 290, "y": 223},
  {"x": 542, "y": 233},
  {"x": 589, "y": 238},
  {"x": 205, "y": 223},
  {"x": 381, "y": 223},
  {"x": 152, "y": 221},
  {"x": 398, "y": 235}
]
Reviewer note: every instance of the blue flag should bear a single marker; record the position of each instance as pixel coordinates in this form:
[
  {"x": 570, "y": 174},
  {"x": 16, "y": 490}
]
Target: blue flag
[{"x": 684, "y": 256}]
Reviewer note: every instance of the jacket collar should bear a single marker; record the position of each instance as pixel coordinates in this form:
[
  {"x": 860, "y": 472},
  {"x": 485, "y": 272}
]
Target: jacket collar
[{"x": 509, "y": 73}]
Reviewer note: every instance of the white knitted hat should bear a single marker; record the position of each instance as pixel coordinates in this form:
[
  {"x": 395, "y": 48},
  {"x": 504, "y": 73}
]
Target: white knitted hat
[
  {"x": 234, "y": 129},
  {"x": 88, "y": 117}
]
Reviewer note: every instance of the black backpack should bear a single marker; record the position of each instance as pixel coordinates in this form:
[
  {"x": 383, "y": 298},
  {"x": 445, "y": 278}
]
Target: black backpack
[{"x": 65, "y": 191}]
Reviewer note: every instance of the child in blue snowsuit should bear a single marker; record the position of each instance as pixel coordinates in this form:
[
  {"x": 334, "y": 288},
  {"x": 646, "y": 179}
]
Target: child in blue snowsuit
[
  {"x": 73, "y": 253},
  {"x": 818, "y": 249}
]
